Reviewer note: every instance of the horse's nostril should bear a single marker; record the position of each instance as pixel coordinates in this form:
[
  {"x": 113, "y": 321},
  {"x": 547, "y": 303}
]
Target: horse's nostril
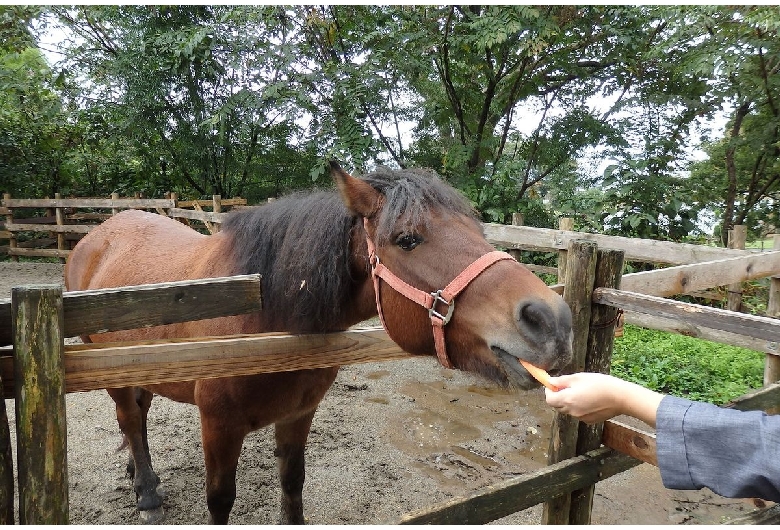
[{"x": 536, "y": 316}]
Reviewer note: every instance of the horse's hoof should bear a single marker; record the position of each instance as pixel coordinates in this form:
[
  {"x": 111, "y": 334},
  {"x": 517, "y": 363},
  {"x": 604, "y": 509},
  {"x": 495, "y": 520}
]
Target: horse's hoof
[{"x": 153, "y": 516}]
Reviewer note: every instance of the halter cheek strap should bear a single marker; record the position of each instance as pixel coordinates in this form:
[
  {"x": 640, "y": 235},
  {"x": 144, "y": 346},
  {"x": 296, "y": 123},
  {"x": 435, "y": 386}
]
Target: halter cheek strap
[{"x": 440, "y": 304}]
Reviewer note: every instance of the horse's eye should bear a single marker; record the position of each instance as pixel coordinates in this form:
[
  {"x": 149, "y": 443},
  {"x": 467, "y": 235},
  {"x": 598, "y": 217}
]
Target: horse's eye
[{"x": 408, "y": 241}]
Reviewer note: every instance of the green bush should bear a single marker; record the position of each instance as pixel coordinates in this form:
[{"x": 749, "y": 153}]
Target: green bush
[{"x": 687, "y": 367}]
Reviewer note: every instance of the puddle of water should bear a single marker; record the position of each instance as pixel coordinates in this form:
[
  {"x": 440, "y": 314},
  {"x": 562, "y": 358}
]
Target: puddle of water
[
  {"x": 488, "y": 391},
  {"x": 496, "y": 433},
  {"x": 474, "y": 457},
  {"x": 431, "y": 430}
]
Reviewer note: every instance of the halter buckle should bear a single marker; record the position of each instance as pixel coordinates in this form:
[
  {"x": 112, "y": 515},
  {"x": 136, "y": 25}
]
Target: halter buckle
[{"x": 437, "y": 297}]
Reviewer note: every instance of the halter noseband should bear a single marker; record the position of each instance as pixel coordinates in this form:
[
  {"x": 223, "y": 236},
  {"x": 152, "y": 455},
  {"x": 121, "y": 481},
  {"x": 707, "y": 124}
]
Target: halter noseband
[{"x": 440, "y": 304}]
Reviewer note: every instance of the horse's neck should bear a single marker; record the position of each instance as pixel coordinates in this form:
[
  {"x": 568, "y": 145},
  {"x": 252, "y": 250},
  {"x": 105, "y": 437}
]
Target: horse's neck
[{"x": 363, "y": 301}]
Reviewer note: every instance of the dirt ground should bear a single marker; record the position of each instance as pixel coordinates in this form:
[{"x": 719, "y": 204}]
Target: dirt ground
[{"x": 389, "y": 438}]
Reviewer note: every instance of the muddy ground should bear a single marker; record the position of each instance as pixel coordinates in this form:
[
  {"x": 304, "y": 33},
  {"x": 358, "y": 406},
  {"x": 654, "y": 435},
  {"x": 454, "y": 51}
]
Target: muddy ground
[{"x": 388, "y": 439}]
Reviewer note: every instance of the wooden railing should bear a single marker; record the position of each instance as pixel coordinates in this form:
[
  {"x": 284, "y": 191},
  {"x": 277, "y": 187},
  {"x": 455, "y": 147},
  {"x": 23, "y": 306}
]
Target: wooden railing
[{"x": 65, "y": 226}]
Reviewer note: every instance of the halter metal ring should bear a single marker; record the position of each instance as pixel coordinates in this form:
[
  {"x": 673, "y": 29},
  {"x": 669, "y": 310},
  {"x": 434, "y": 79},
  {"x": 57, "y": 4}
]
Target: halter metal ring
[{"x": 437, "y": 297}]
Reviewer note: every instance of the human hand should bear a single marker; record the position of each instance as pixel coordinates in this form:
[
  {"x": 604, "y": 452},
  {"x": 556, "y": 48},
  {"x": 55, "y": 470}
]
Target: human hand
[{"x": 595, "y": 397}]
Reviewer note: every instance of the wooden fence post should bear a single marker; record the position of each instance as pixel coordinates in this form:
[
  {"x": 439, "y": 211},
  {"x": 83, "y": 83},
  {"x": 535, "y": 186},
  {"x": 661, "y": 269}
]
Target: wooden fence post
[
  {"x": 517, "y": 220},
  {"x": 564, "y": 223},
  {"x": 772, "y": 362},
  {"x": 41, "y": 428},
  {"x": 217, "y": 201},
  {"x": 9, "y": 219},
  {"x": 737, "y": 238},
  {"x": 114, "y": 196},
  {"x": 6, "y": 468},
  {"x": 60, "y": 218},
  {"x": 601, "y": 339},
  {"x": 581, "y": 271}
]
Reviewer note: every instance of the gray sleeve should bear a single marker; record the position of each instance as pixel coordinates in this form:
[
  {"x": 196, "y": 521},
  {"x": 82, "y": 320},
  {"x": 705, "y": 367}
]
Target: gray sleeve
[{"x": 734, "y": 453}]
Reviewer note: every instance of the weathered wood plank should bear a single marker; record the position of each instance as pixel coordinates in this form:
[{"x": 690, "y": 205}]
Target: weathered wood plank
[
  {"x": 499, "y": 500},
  {"x": 39, "y": 252},
  {"x": 690, "y": 278},
  {"x": 541, "y": 268},
  {"x": 580, "y": 276},
  {"x": 6, "y": 469},
  {"x": 763, "y": 328},
  {"x": 769, "y": 515},
  {"x": 759, "y": 399},
  {"x": 630, "y": 441},
  {"x": 74, "y": 229},
  {"x": 96, "y": 366},
  {"x": 702, "y": 332},
  {"x": 88, "y": 203},
  {"x": 598, "y": 358},
  {"x": 236, "y": 201},
  {"x": 101, "y": 310},
  {"x": 181, "y": 213},
  {"x": 88, "y": 216},
  {"x": 648, "y": 250},
  {"x": 41, "y": 426}
]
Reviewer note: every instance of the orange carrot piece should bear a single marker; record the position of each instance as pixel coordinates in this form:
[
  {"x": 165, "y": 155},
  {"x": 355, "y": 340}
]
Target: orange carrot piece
[{"x": 539, "y": 374}]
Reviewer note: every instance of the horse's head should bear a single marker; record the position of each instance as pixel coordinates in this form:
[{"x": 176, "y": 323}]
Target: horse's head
[{"x": 494, "y": 313}]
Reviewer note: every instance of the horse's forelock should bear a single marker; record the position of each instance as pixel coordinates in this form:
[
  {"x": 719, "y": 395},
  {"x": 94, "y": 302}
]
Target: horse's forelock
[{"x": 410, "y": 197}]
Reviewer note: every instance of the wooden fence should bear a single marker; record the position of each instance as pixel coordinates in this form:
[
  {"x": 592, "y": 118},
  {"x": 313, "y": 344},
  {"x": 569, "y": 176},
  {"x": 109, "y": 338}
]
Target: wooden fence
[
  {"x": 65, "y": 225},
  {"x": 40, "y": 370}
]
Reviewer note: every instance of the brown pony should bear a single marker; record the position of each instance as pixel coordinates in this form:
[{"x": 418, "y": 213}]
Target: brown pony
[{"x": 312, "y": 250}]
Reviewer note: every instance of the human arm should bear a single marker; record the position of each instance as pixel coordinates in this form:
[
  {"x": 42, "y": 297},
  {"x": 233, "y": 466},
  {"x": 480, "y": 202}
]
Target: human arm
[
  {"x": 594, "y": 397},
  {"x": 734, "y": 453}
]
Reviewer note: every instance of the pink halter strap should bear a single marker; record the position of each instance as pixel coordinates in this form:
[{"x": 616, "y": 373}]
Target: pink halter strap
[{"x": 440, "y": 304}]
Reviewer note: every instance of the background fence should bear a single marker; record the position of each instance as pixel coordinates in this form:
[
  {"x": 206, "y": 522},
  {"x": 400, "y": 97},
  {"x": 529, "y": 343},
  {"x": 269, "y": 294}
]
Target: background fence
[{"x": 65, "y": 221}]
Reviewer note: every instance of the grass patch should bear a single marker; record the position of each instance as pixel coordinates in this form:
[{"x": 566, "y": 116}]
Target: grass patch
[{"x": 687, "y": 367}]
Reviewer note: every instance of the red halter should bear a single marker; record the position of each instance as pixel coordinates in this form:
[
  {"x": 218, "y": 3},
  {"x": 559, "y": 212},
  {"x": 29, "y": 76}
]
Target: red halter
[{"x": 443, "y": 298}]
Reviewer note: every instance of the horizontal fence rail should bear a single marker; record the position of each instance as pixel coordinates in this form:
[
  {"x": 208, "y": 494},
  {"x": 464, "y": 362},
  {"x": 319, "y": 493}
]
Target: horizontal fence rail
[
  {"x": 141, "y": 306},
  {"x": 762, "y": 328},
  {"x": 97, "y": 366},
  {"x": 499, "y": 500},
  {"x": 89, "y": 203},
  {"x": 648, "y": 250}
]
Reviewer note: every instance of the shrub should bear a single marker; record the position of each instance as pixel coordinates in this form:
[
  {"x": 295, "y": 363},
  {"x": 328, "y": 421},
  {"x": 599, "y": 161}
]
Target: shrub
[{"x": 687, "y": 367}]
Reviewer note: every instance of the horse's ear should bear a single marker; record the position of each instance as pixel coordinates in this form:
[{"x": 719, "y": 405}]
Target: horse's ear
[{"x": 358, "y": 196}]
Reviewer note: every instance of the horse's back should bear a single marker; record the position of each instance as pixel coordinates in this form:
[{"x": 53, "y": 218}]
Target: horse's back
[{"x": 136, "y": 247}]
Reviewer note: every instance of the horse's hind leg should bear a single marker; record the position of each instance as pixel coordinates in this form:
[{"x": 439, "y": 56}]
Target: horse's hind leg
[
  {"x": 131, "y": 408},
  {"x": 144, "y": 400},
  {"x": 291, "y": 439}
]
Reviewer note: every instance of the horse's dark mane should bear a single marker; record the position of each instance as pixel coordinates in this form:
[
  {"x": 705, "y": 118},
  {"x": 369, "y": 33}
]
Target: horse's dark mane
[{"x": 300, "y": 243}]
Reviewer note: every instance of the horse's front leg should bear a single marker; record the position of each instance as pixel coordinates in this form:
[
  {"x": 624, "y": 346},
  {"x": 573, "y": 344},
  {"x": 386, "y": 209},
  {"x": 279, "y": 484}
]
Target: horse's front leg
[
  {"x": 222, "y": 441},
  {"x": 132, "y": 406},
  {"x": 291, "y": 439}
]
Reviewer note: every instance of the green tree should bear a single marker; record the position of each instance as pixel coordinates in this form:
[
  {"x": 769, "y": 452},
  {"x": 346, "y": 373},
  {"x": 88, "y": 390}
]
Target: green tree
[
  {"x": 741, "y": 179},
  {"x": 202, "y": 93},
  {"x": 35, "y": 133}
]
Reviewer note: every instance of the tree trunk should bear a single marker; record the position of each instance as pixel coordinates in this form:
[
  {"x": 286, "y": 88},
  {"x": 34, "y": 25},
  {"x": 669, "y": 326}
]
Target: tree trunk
[{"x": 731, "y": 172}]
